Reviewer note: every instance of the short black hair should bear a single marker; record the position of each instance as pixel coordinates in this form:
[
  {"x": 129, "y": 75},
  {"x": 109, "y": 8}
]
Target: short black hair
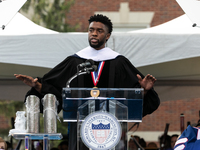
[
  {"x": 174, "y": 135},
  {"x": 103, "y": 19}
]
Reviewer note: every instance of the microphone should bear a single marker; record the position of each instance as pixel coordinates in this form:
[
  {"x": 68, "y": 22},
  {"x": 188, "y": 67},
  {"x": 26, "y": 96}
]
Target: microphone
[
  {"x": 91, "y": 69},
  {"x": 87, "y": 63}
]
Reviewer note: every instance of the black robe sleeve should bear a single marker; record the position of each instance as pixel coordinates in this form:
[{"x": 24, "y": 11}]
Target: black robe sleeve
[
  {"x": 56, "y": 79},
  {"x": 125, "y": 77}
]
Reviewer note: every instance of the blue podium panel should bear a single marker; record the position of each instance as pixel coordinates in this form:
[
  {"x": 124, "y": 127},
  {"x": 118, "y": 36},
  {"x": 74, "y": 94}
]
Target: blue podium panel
[{"x": 132, "y": 98}]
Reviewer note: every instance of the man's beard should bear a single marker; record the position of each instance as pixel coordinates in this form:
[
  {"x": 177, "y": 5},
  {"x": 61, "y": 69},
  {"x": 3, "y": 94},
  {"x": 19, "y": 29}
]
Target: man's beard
[{"x": 100, "y": 43}]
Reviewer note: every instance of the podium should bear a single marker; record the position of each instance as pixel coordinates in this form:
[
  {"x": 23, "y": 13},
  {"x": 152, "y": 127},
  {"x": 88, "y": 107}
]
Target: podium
[{"x": 124, "y": 104}]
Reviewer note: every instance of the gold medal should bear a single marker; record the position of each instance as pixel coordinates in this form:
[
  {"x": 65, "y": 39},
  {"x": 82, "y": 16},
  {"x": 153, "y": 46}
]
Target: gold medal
[{"x": 95, "y": 92}]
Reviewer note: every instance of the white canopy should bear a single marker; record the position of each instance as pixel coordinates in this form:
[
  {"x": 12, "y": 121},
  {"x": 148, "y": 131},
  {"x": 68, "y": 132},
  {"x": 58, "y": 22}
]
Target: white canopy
[
  {"x": 8, "y": 9},
  {"x": 168, "y": 51},
  {"x": 21, "y": 25},
  {"x": 191, "y": 8},
  {"x": 172, "y": 42}
]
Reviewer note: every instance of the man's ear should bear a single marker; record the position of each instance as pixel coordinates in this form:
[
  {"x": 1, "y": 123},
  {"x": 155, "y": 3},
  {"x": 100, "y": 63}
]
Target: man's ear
[{"x": 107, "y": 36}]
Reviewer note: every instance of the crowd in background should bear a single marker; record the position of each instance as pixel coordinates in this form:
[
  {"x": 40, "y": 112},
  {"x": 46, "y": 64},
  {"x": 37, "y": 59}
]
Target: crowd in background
[{"x": 134, "y": 143}]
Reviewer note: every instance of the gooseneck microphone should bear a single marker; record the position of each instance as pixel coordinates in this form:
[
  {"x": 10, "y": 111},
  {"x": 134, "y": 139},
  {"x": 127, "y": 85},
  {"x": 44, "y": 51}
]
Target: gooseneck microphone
[
  {"x": 87, "y": 63},
  {"x": 91, "y": 69},
  {"x": 83, "y": 68}
]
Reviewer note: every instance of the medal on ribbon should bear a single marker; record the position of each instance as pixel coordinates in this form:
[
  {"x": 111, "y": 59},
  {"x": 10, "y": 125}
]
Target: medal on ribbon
[{"x": 95, "y": 92}]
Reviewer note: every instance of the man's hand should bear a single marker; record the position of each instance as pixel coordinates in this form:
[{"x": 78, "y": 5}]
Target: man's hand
[
  {"x": 28, "y": 80},
  {"x": 146, "y": 83}
]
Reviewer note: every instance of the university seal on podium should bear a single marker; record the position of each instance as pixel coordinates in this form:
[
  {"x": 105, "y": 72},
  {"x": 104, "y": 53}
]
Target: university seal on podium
[{"x": 100, "y": 131}]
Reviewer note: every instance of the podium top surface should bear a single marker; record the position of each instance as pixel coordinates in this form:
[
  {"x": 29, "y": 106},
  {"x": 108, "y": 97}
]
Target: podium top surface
[
  {"x": 123, "y": 93},
  {"x": 106, "y": 89},
  {"x": 119, "y": 101}
]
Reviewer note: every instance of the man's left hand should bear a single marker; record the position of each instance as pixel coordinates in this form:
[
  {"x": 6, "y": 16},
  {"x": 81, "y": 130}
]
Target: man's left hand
[{"x": 147, "y": 82}]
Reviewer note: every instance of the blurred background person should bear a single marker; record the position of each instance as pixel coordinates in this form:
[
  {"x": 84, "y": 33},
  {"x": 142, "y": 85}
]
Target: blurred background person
[
  {"x": 165, "y": 142},
  {"x": 152, "y": 146},
  {"x": 173, "y": 140},
  {"x": 3, "y": 144}
]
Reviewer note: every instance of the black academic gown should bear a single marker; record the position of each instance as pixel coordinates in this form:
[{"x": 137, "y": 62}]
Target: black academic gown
[{"x": 117, "y": 73}]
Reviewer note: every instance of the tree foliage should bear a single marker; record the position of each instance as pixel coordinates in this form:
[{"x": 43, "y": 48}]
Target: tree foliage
[
  {"x": 51, "y": 13},
  {"x": 9, "y": 108}
]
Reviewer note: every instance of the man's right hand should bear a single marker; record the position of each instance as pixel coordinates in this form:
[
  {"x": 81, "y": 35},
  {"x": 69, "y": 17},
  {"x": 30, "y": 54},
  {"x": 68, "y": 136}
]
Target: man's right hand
[{"x": 28, "y": 80}]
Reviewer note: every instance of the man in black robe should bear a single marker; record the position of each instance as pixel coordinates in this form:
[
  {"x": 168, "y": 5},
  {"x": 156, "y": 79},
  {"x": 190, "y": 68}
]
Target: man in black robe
[{"x": 114, "y": 70}]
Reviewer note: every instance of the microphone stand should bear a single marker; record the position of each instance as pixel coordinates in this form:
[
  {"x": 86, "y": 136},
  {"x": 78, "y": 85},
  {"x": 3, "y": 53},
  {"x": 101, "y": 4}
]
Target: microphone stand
[
  {"x": 68, "y": 83},
  {"x": 80, "y": 72},
  {"x": 74, "y": 76}
]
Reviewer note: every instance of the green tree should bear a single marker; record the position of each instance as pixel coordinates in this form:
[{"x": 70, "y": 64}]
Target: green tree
[{"x": 51, "y": 14}]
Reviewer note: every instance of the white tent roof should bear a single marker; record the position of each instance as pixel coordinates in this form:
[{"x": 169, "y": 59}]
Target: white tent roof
[
  {"x": 21, "y": 25},
  {"x": 174, "y": 40},
  {"x": 8, "y": 9},
  {"x": 166, "y": 50},
  {"x": 191, "y": 8},
  {"x": 166, "y": 43}
]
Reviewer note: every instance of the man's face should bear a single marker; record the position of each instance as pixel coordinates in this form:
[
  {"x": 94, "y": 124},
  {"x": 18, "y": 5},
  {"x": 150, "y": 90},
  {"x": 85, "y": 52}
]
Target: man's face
[{"x": 98, "y": 35}]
